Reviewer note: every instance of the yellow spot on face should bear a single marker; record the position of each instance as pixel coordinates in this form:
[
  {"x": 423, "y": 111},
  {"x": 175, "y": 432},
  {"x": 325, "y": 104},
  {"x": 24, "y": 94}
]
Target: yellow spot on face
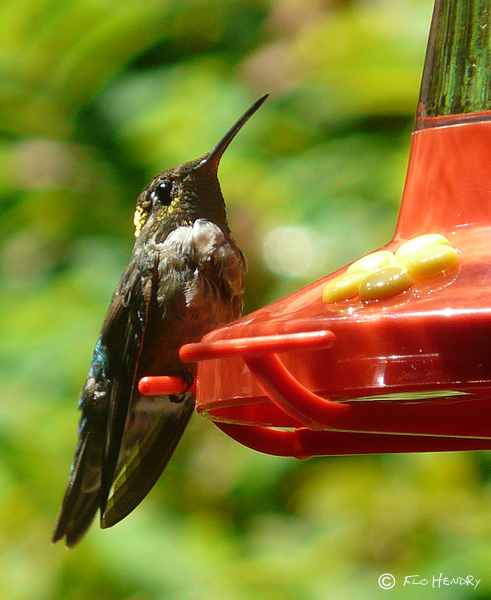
[
  {"x": 384, "y": 283},
  {"x": 139, "y": 219},
  {"x": 173, "y": 209}
]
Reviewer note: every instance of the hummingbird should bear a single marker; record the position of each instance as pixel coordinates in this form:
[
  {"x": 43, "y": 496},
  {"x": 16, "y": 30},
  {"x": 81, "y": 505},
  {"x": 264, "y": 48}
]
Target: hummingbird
[{"x": 185, "y": 278}]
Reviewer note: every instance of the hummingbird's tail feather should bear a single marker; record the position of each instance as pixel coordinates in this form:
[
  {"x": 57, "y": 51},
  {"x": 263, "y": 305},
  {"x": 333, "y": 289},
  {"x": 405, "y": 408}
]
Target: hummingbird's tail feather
[
  {"x": 77, "y": 523},
  {"x": 79, "y": 507},
  {"x": 147, "y": 461}
]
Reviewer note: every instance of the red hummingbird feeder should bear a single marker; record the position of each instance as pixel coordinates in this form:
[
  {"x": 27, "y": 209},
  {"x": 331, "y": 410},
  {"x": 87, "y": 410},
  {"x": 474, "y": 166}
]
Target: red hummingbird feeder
[{"x": 393, "y": 352}]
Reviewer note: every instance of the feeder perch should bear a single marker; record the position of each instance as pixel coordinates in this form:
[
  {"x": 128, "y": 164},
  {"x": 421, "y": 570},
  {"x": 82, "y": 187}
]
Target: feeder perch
[{"x": 392, "y": 353}]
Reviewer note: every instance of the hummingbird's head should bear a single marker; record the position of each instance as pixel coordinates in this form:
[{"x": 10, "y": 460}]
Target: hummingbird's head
[{"x": 188, "y": 192}]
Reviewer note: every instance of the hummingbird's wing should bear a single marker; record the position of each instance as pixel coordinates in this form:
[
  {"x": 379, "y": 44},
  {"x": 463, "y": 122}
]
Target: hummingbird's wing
[
  {"x": 172, "y": 293},
  {"x": 149, "y": 457},
  {"x": 104, "y": 403},
  {"x": 125, "y": 335},
  {"x": 153, "y": 425}
]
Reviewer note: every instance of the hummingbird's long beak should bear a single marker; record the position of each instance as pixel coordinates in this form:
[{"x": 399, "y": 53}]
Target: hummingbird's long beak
[{"x": 216, "y": 154}]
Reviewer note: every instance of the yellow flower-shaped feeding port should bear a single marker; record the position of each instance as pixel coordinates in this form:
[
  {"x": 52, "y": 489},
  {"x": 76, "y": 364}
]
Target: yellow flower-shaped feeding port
[
  {"x": 383, "y": 274},
  {"x": 384, "y": 283}
]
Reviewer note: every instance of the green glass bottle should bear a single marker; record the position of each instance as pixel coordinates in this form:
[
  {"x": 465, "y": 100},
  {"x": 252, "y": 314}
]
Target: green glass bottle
[
  {"x": 448, "y": 184},
  {"x": 457, "y": 74}
]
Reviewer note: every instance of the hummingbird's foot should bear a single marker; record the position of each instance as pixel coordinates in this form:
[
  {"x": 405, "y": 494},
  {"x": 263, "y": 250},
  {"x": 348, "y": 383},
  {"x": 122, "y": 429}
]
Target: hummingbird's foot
[{"x": 188, "y": 379}]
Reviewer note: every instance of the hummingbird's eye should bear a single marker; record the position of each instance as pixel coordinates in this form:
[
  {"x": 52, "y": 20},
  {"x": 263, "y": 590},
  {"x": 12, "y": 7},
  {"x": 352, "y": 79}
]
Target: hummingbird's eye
[{"x": 162, "y": 193}]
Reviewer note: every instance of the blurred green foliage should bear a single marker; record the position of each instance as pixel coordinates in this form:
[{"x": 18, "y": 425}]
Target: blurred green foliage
[{"x": 98, "y": 96}]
